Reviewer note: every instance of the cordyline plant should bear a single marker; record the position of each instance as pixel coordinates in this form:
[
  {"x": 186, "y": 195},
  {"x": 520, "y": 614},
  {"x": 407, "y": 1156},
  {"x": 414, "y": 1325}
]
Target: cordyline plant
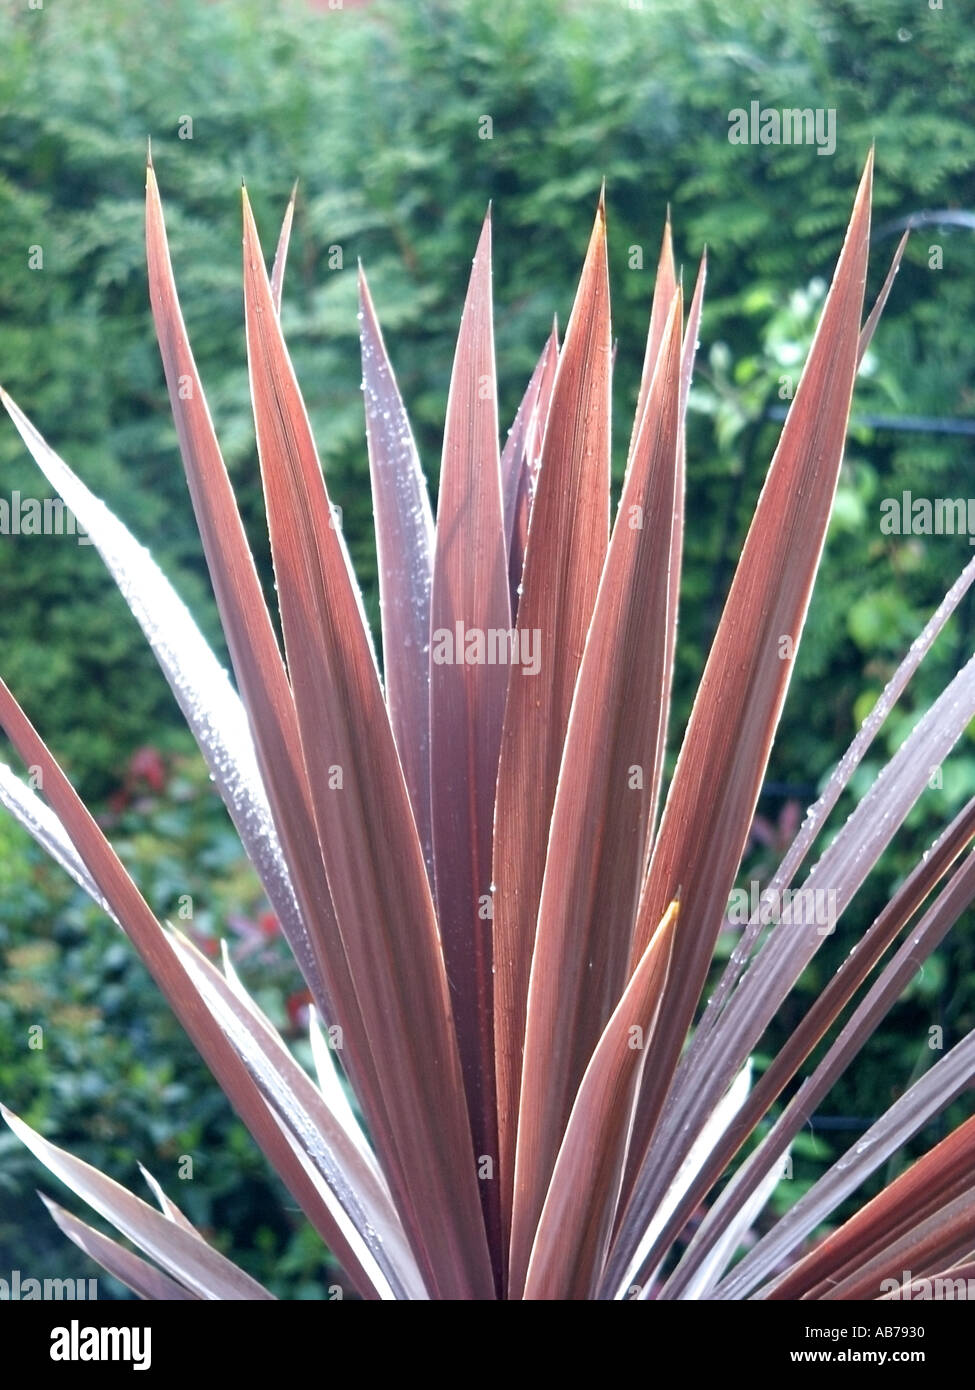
[{"x": 505, "y": 937}]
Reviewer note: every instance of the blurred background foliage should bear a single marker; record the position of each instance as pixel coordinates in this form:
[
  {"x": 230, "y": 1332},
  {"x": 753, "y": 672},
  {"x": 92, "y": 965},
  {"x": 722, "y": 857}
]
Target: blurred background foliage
[{"x": 380, "y": 112}]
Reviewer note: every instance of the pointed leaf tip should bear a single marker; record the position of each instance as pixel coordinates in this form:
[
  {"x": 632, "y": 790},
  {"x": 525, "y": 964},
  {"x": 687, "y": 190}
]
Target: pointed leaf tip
[
  {"x": 866, "y": 178},
  {"x": 484, "y": 239}
]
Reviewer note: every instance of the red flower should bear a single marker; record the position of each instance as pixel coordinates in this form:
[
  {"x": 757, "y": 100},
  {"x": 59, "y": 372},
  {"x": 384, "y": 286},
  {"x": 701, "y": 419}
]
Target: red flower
[
  {"x": 269, "y": 924},
  {"x": 297, "y": 1005},
  {"x": 147, "y": 764}
]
